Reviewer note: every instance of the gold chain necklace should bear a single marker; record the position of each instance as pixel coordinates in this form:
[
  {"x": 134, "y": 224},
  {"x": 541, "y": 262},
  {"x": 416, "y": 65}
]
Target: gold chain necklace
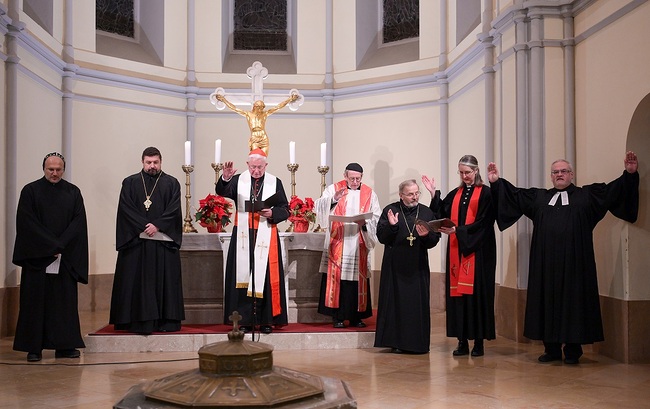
[
  {"x": 147, "y": 203},
  {"x": 411, "y": 238}
]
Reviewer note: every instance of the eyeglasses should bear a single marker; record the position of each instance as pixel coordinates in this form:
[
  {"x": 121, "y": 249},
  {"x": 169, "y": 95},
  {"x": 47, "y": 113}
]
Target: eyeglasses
[
  {"x": 413, "y": 194},
  {"x": 465, "y": 172},
  {"x": 562, "y": 171}
]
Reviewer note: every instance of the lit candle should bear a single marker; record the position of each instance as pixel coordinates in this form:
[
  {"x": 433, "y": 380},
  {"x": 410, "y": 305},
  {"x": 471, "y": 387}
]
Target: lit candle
[
  {"x": 292, "y": 152},
  {"x": 217, "y": 151},
  {"x": 188, "y": 153},
  {"x": 323, "y": 154}
]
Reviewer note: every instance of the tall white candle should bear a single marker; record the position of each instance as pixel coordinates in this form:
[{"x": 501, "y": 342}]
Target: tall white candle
[
  {"x": 217, "y": 151},
  {"x": 188, "y": 153},
  {"x": 323, "y": 154},
  {"x": 292, "y": 152}
]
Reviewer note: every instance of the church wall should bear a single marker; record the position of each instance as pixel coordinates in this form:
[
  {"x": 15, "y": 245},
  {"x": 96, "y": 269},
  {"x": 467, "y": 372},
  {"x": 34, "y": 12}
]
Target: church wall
[
  {"x": 208, "y": 39},
  {"x": 344, "y": 35},
  {"x": 311, "y": 35},
  {"x": 607, "y": 94},
  {"x": 430, "y": 23},
  {"x": 175, "y": 35}
]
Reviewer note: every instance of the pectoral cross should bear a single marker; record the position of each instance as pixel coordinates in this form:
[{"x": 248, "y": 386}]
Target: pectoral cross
[
  {"x": 147, "y": 203},
  {"x": 411, "y": 239}
]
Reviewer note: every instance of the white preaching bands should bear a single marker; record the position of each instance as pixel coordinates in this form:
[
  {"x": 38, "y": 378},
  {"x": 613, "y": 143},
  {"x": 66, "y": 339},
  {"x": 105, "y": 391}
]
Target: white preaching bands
[{"x": 563, "y": 195}]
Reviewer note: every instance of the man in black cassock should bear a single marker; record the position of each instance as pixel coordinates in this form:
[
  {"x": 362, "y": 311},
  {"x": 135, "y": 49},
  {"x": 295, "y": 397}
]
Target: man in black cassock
[
  {"x": 147, "y": 288},
  {"x": 52, "y": 249},
  {"x": 403, "y": 314},
  {"x": 562, "y": 305},
  {"x": 254, "y": 284}
]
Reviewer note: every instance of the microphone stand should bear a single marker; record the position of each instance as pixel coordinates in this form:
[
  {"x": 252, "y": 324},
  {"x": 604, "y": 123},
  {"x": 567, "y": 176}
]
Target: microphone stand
[{"x": 252, "y": 262}]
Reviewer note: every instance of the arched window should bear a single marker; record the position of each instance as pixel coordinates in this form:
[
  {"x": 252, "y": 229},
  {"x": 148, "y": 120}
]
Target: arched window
[
  {"x": 115, "y": 16},
  {"x": 260, "y": 25},
  {"x": 401, "y": 20}
]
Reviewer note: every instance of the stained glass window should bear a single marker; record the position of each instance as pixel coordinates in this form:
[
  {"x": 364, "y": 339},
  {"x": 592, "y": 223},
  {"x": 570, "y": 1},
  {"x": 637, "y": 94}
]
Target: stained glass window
[
  {"x": 115, "y": 16},
  {"x": 260, "y": 25},
  {"x": 401, "y": 20}
]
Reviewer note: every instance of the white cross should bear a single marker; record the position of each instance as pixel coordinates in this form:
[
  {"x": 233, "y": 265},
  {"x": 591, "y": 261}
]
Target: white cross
[{"x": 257, "y": 73}]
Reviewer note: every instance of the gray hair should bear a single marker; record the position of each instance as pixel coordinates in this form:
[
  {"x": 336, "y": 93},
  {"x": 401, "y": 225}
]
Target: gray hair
[
  {"x": 408, "y": 182},
  {"x": 472, "y": 162}
]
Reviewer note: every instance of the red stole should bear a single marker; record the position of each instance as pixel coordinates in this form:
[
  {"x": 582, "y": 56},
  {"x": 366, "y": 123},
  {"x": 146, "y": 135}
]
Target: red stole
[
  {"x": 335, "y": 259},
  {"x": 461, "y": 268}
]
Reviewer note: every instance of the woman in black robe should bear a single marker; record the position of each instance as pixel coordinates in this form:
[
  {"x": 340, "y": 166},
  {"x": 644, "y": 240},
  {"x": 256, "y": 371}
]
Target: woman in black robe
[{"x": 470, "y": 315}]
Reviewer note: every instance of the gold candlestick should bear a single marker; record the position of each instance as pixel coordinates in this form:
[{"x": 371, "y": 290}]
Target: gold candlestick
[
  {"x": 218, "y": 167},
  {"x": 293, "y": 167},
  {"x": 323, "y": 171},
  {"x": 188, "y": 227}
]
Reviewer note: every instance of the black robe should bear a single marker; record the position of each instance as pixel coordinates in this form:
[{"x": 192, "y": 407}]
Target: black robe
[
  {"x": 472, "y": 316},
  {"x": 50, "y": 220},
  {"x": 562, "y": 304},
  {"x": 236, "y": 299},
  {"x": 403, "y": 313},
  {"x": 147, "y": 288}
]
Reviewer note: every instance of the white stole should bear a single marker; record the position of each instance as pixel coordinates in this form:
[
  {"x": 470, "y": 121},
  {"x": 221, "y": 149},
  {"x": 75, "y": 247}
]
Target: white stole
[{"x": 263, "y": 241}]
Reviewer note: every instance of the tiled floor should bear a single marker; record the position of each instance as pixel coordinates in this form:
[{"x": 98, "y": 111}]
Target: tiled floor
[{"x": 508, "y": 376}]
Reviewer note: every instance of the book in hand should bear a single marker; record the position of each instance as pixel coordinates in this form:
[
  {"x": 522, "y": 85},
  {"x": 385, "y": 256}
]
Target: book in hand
[
  {"x": 350, "y": 219},
  {"x": 157, "y": 236},
  {"x": 435, "y": 225},
  {"x": 258, "y": 205}
]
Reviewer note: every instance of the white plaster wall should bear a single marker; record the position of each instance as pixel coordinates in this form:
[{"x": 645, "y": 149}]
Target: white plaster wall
[{"x": 611, "y": 80}]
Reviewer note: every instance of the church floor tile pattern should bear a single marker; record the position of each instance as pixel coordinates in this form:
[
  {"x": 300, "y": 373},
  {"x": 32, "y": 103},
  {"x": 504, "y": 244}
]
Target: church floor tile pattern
[{"x": 508, "y": 376}]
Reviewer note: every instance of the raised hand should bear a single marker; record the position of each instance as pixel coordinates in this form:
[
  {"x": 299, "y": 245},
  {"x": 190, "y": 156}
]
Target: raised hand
[
  {"x": 392, "y": 217},
  {"x": 492, "y": 172},
  {"x": 430, "y": 184},
  {"x": 340, "y": 193},
  {"x": 228, "y": 171},
  {"x": 631, "y": 163}
]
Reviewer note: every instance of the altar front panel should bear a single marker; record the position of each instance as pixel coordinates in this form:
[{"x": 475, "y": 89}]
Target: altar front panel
[{"x": 203, "y": 259}]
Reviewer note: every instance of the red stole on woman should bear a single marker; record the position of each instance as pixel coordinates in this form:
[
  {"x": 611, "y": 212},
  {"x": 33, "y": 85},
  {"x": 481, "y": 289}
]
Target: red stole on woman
[
  {"x": 461, "y": 268},
  {"x": 337, "y": 233}
]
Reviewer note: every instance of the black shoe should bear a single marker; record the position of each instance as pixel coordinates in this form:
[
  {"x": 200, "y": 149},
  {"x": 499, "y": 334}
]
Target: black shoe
[
  {"x": 245, "y": 328},
  {"x": 359, "y": 324},
  {"x": 545, "y": 357},
  {"x": 478, "y": 348},
  {"x": 462, "y": 349},
  {"x": 67, "y": 353},
  {"x": 396, "y": 351},
  {"x": 339, "y": 324},
  {"x": 266, "y": 329},
  {"x": 34, "y": 356},
  {"x": 572, "y": 361}
]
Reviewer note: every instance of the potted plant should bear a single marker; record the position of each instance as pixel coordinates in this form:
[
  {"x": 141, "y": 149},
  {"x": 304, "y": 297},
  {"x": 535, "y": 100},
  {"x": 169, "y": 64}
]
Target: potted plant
[
  {"x": 301, "y": 213},
  {"x": 214, "y": 213}
]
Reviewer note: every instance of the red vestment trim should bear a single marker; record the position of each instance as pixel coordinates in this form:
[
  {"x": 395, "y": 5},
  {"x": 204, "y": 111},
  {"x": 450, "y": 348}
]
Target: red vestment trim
[
  {"x": 461, "y": 268},
  {"x": 335, "y": 259}
]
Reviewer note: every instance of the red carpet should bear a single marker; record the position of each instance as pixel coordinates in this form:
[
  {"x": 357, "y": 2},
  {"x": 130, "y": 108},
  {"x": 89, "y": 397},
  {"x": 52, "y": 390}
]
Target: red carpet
[{"x": 223, "y": 329}]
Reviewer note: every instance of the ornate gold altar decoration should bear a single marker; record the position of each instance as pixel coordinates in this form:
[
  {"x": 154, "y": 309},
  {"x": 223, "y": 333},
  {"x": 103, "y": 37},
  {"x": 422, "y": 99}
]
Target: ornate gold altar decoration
[{"x": 257, "y": 116}]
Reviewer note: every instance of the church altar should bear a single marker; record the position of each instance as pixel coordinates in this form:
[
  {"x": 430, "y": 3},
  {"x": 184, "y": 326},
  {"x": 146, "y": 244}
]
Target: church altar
[{"x": 203, "y": 259}]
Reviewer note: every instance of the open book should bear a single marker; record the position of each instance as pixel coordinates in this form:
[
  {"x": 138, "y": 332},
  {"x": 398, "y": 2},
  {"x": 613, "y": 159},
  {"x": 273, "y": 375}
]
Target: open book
[
  {"x": 350, "y": 219},
  {"x": 269, "y": 202},
  {"x": 435, "y": 225}
]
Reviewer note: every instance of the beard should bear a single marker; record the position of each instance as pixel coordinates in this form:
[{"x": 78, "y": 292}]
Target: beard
[
  {"x": 152, "y": 171},
  {"x": 412, "y": 204}
]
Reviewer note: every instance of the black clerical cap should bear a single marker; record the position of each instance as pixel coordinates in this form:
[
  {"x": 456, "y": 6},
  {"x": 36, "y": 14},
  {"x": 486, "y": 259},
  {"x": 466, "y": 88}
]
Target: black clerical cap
[{"x": 355, "y": 167}]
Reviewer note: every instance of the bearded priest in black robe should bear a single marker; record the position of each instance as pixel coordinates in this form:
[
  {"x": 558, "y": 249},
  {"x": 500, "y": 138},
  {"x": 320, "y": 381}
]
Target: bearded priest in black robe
[
  {"x": 562, "y": 305},
  {"x": 403, "y": 311},
  {"x": 147, "y": 289},
  {"x": 254, "y": 284},
  {"x": 52, "y": 249}
]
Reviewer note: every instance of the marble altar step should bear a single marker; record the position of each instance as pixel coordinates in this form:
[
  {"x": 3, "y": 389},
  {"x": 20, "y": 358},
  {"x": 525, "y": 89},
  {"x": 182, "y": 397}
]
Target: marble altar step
[{"x": 192, "y": 342}]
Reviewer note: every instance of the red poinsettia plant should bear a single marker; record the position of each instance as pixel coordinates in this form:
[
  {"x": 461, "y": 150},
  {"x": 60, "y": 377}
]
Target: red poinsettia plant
[
  {"x": 301, "y": 211},
  {"x": 214, "y": 209}
]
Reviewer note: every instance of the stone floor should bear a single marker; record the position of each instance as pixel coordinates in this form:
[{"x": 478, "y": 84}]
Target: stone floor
[{"x": 508, "y": 376}]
